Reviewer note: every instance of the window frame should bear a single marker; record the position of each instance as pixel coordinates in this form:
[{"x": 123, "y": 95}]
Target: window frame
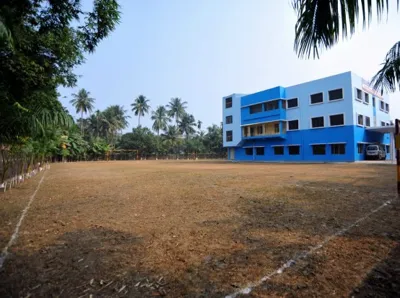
[
  {"x": 226, "y": 119},
  {"x": 384, "y": 123},
  {"x": 386, "y": 107},
  {"x": 365, "y": 121},
  {"x": 231, "y": 136},
  {"x": 249, "y": 148},
  {"x": 298, "y": 125},
  {"x": 261, "y": 147},
  {"x": 287, "y": 103},
  {"x": 265, "y": 104},
  {"x": 330, "y": 122},
  {"x": 319, "y": 127},
  {"x": 291, "y": 146},
  {"x": 279, "y": 146},
  {"x": 317, "y": 103},
  {"x": 254, "y": 105},
  {"x": 381, "y": 102},
  {"x": 358, "y": 124},
  {"x": 338, "y": 144},
  {"x": 313, "y": 145},
  {"x": 366, "y": 95},
  {"x": 356, "y": 97},
  {"x": 231, "y": 100},
  {"x": 339, "y": 99}
]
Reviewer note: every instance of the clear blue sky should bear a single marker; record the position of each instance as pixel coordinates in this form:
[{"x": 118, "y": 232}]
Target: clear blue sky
[{"x": 203, "y": 50}]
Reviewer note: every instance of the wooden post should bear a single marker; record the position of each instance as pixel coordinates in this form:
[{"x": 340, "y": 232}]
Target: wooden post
[{"x": 397, "y": 142}]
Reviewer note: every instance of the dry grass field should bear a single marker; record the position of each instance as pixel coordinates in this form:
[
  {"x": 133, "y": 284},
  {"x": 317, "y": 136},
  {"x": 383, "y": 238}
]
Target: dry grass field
[{"x": 202, "y": 229}]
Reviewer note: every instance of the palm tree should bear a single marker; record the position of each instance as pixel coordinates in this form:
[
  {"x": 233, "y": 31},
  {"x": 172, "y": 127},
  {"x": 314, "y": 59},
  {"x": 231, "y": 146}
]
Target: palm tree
[
  {"x": 171, "y": 137},
  {"x": 320, "y": 24},
  {"x": 140, "y": 106},
  {"x": 176, "y": 108},
  {"x": 114, "y": 119},
  {"x": 186, "y": 126},
  {"x": 160, "y": 118},
  {"x": 83, "y": 103}
]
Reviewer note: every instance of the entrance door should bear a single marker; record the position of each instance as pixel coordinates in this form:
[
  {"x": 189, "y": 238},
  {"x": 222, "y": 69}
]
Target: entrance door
[{"x": 232, "y": 153}]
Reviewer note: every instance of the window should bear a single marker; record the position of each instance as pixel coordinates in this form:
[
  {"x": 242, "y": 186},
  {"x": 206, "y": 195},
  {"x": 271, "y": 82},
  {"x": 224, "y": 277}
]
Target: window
[
  {"x": 249, "y": 151},
  {"x": 388, "y": 149},
  {"x": 317, "y": 98},
  {"x": 387, "y": 107},
  {"x": 317, "y": 122},
  {"x": 293, "y": 125},
  {"x": 366, "y": 98},
  {"x": 360, "y": 120},
  {"x": 382, "y": 107},
  {"x": 383, "y": 123},
  {"x": 278, "y": 150},
  {"x": 335, "y": 94},
  {"x": 338, "y": 149},
  {"x": 359, "y": 94},
  {"x": 318, "y": 149},
  {"x": 228, "y": 120},
  {"x": 294, "y": 150},
  {"x": 292, "y": 103},
  {"x": 256, "y": 109},
  {"x": 360, "y": 148},
  {"x": 229, "y": 136},
  {"x": 228, "y": 103},
  {"x": 367, "y": 121},
  {"x": 373, "y": 101},
  {"x": 336, "y": 120},
  {"x": 272, "y": 105},
  {"x": 260, "y": 130},
  {"x": 276, "y": 127},
  {"x": 260, "y": 151}
]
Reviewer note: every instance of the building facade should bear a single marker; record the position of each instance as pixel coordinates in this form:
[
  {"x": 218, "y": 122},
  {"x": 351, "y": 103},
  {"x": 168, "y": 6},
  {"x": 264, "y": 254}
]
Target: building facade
[{"x": 327, "y": 120}]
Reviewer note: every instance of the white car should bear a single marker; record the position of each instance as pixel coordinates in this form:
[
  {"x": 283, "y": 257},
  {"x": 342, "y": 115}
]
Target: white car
[{"x": 375, "y": 152}]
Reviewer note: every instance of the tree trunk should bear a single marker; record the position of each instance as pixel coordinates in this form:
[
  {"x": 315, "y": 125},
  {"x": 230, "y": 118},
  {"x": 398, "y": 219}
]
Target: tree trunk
[
  {"x": 81, "y": 122},
  {"x": 139, "y": 120}
]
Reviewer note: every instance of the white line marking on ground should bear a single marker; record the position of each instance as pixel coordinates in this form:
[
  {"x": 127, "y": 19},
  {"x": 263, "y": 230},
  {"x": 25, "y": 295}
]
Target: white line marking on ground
[
  {"x": 14, "y": 236},
  {"x": 290, "y": 263}
]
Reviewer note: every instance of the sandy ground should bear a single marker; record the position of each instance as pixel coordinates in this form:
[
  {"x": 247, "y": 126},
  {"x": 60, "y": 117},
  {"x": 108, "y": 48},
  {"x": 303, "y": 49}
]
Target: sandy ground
[{"x": 202, "y": 229}]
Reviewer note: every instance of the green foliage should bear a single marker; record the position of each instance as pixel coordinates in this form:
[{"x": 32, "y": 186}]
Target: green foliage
[
  {"x": 41, "y": 42},
  {"x": 140, "y": 106},
  {"x": 176, "y": 108},
  {"x": 320, "y": 25}
]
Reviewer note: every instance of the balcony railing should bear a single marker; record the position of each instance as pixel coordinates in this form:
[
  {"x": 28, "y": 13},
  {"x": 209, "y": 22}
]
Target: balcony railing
[{"x": 271, "y": 129}]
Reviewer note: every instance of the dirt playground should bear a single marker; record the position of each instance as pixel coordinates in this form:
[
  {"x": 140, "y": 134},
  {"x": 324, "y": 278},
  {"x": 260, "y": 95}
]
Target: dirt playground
[{"x": 202, "y": 229}]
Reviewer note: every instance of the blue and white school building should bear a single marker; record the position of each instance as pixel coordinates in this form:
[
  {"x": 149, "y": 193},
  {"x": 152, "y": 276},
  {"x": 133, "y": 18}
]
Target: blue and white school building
[{"x": 329, "y": 120}]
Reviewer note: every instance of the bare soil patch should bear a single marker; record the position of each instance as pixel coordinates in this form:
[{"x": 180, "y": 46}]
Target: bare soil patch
[{"x": 201, "y": 229}]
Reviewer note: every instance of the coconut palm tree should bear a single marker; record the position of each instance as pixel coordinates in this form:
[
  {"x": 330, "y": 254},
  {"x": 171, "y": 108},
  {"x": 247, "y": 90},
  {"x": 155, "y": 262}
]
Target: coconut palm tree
[
  {"x": 171, "y": 138},
  {"x": 114, "y": 119},
  {"x": 320, "y": 24},
  {"x": 176, "y": 108},
  {"x": 160, "y": 118},
  {"x": 83, "y": 103},
  {"x": 140, "y": 106},
  {"x": 186, "y": 126}
]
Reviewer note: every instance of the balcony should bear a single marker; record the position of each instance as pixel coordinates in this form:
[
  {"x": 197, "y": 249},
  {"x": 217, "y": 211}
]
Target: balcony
[
  {"x": 275, "y": 129},
  {"x": 268, "y": 111}
]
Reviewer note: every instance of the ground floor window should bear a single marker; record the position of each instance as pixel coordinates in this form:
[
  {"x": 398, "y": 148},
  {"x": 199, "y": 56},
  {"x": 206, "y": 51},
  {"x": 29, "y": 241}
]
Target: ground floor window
[
  {"x": 249, "y": 151},
  {"x": 319, "y": 149},
  {"x": 360, "y": 148},
  {"x": 294, "y": 150},
  {"x": 338, "y": 149},
  {"x": 260, "y": 151},
  {"x": 387, "y": 149},
  {"x": 278, "y": 150}
]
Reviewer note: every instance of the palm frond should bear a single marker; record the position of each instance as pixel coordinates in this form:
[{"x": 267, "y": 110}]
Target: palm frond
[
  {"x": 388, "y": 77},
  {"x": 320, "y": 23}
]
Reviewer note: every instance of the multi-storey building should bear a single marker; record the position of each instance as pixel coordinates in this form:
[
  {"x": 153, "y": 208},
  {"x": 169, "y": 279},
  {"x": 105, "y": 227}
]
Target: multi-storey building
[{"x": 330, "y": 119}]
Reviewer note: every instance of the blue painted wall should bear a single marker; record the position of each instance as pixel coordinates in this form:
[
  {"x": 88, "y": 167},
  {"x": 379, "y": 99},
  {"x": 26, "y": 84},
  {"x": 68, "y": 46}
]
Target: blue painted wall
[{"x": 350, "y": 133}]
